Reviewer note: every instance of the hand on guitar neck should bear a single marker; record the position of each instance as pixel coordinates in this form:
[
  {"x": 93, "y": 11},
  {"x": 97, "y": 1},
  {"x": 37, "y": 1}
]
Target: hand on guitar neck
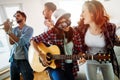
[
  {"x": 48, "y": 55},
  {"x": 82, "y": 60},
  {"x": 100, "y": 57}
]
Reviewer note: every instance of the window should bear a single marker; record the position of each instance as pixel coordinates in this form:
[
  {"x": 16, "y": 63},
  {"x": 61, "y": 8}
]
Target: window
[
  {"x": 6, "y": 12},
  {"x": 10, "y": 11}
]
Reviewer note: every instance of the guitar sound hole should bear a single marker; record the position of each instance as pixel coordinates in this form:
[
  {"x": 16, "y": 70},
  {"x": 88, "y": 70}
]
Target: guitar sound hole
[{"x": 49, "y": 56}]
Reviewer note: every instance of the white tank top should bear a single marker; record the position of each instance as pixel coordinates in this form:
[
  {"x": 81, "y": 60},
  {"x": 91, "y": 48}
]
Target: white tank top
[{"x": 95, "y": 43}]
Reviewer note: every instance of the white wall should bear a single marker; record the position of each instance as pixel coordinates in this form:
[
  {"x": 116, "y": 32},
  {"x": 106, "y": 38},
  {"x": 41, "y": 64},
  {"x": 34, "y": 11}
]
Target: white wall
[
  {"x": 113, "y": 9},
  {"x": 33, "y": 10}
]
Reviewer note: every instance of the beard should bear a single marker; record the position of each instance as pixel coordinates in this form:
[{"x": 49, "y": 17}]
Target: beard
[
  {"x": 46, "y": 17},
  {"x": 19, "y": 21}
]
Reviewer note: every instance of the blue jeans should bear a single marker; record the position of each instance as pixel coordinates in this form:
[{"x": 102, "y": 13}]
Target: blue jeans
[
  {"x": 106, "y": 69},
  {"x": 23, "y": 67},
  {"x": 56, "y": 74},
  {"x": 69, "y": 71}
]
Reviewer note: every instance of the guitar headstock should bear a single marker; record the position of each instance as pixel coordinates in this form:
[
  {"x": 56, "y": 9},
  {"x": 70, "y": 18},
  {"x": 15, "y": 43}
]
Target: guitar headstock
[{"x": 102, "y": 57}]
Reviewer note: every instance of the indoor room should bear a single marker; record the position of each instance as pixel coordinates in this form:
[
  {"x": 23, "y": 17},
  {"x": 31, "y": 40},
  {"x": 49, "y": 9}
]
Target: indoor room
[{"x": 34, "y": 10}]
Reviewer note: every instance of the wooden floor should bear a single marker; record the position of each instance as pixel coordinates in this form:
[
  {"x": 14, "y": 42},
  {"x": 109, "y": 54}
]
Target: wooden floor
[
  {"x": 81, "y": 75},
  {"x": 44, "y": 76},
  {"x": 38, "y": 76},
  {"x": 41, "y": 76}
]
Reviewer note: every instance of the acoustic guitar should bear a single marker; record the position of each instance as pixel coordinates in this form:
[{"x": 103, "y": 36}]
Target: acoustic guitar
[{"x": 52, "y": 53}]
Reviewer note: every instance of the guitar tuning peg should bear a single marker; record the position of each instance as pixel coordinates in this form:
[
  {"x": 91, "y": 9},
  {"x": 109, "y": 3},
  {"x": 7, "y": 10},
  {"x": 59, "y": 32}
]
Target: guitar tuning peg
[
  {"x": 99, "y": 54},
  {"x": 105, "y": 60},
  {"x": 104, "y": 55},
  {"x": 100, "y": 61},
  {"x": 109, "y": 60}
]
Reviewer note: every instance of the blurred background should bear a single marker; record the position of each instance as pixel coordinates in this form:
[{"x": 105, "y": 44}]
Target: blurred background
[{"x": 35, "y": 18}]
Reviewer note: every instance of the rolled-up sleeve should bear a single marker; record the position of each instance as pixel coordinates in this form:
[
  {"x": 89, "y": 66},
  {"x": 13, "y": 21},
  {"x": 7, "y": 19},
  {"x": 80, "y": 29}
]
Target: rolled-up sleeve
[{"x": 26, "y": 36}]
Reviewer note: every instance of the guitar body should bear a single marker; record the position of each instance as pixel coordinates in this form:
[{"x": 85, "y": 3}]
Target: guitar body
[
  {"x": 34, "y": 58},
  {"x": 53, "y": 53}
]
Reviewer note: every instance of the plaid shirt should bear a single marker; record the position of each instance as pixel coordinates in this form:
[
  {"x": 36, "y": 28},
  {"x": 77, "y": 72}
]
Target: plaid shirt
[
  {"x": 111, "y": 40},
  {"x": 50, "y": 37}
]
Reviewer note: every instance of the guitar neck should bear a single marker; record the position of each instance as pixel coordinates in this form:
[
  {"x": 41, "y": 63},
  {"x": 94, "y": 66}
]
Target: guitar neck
[
  {"x": 99, "y": 57},
  {"x": 71, "y": 57}
]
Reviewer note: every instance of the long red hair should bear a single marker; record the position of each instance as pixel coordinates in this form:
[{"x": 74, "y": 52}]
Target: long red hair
[{"x": 100, "y": 16}]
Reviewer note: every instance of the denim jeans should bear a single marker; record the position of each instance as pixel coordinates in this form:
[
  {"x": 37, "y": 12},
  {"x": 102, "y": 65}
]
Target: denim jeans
[
  {"x": 23, "y": 67},
  {"x": 69, "y": 71},
  {"x": 56, "y": 74},
  {"x": 106, "y": 69}
]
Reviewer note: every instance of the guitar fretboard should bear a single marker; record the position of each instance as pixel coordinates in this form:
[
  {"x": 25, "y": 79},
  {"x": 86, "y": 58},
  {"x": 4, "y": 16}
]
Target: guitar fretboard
[
  {"x": 98, "y": 57},
  {"x": 73, "y": 57}
]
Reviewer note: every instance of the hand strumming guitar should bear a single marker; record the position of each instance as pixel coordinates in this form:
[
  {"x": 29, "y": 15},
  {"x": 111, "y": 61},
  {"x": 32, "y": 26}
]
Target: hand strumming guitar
[{"x": 43, "y": 59}]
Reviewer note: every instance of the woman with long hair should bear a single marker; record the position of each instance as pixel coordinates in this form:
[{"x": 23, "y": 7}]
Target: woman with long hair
[
  {"x": 98, "y": 36},
  {"x": 68, "y": 41}
]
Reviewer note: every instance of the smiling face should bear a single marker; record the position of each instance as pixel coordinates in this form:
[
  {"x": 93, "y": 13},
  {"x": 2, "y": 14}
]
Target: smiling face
[
  {"x": 47, "y": 13},
  {"x": 19, "y": 18},
  {"x": 49, "y": 8},
  {"x": 63, "y": 24},
  {"x": 94, "y": 12},
  {"x": 86, "y": 15}
]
